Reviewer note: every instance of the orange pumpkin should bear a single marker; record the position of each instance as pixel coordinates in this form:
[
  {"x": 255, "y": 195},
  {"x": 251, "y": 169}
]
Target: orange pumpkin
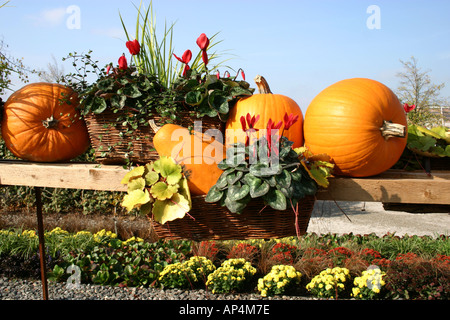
[
  {"x": 268, "y": 106},
  {"x": 40, "y": 123},
  {"x": 198, "y": 153},
  {"x": 360, "y": 124}
]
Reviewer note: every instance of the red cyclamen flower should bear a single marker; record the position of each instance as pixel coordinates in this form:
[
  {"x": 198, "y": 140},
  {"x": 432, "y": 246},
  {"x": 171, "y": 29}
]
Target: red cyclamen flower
[
  {"x": 123, "y": 63},
  {"x": 185, "y": 58},
  {"x": 409, "y": 108},
  {"x": 272, "y": 137},
  {"x": 133, "y": 46},
  {"x": 243, "y": 74},
  {"x": 203, "y": 43},
  {"x": 250, "y": 121},
  {"x": 289, "y": 120}
]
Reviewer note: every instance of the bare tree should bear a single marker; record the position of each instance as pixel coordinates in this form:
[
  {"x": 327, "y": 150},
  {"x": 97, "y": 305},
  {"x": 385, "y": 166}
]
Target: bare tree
[
  {"x": 54, "y": 72},
  {"x": 417, "y": 89}
]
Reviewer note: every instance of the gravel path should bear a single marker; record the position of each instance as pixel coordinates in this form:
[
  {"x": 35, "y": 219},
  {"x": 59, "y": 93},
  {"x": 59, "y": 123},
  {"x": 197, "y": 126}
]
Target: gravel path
[{"x": 20, "y": 289}]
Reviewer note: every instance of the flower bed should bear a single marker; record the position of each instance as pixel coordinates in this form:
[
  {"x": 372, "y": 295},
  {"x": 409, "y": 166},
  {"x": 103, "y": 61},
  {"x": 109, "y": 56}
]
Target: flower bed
[{"x": 327, "y": 266}]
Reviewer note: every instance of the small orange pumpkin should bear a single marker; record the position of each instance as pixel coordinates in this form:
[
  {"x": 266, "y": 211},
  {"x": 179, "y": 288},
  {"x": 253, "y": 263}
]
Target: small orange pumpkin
[
  {"x": 360, "y": 124},
  {"x": 40, "y": 123},
  {"x": 197, "y": 152},
  {"x": 268, "y": 106}
]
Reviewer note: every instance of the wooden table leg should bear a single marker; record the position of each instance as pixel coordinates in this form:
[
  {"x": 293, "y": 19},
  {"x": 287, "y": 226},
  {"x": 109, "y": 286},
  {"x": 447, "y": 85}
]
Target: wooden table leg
[{"x": 37, "y": 191}]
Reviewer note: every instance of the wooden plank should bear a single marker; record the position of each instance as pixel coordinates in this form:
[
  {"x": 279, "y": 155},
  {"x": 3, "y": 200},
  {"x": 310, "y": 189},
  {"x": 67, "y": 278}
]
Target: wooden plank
[
  {"x": 392, "y": 186},
  {"x": 62, "y": 175}
]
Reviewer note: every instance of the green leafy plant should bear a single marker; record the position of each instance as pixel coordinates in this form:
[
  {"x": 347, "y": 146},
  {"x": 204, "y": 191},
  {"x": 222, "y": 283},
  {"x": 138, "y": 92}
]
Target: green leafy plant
[
  {"x": 158, "y": 187},
  {"x": 209, "y": 94},
  {"x": 434, "y": 142},
  {"x": 263, "y": 169}
]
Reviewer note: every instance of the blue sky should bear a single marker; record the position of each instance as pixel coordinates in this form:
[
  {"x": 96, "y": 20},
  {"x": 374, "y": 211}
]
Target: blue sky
[{"x": 300, "y": 47}]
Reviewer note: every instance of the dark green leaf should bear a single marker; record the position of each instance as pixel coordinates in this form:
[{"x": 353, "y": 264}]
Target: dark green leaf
[
  {"x": 236, "y": 206},
  {"x": 194, "y": 98},
  {"x": 233, "y": 177},
  {"x": 132, "y": 91},
  {"x": 283, "y": 179},
  {"x": 275, "y": 199},
  {"x": 214, "y": 195},
  {"x": 236, "y": 192}
]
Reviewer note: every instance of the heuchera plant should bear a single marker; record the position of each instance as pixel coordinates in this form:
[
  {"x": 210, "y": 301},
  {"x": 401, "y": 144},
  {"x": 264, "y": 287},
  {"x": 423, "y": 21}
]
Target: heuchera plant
[{"x": 158, "y": 188}]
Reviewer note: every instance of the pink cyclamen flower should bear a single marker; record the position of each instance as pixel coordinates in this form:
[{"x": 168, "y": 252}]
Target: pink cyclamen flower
[
  {"x": 108, "y": 68},
  {"x": 123, "y": 65},
  {"x": 289, "y": 120},
  {"x": 133, "y": 46},
  {"x": 409, "y": 108}
]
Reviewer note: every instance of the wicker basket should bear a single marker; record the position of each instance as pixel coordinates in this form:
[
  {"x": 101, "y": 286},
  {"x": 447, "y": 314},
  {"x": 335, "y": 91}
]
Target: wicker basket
[
  {"x": 113, "y": 145},
  {"x": 211, "y": 221}
]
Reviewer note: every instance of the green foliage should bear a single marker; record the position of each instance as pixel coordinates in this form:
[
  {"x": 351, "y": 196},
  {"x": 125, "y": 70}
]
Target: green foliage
[
  {"x": 276, "y": 182},
  {"x": 209, "y": 95},
  {"x": 434, "y": 142}
]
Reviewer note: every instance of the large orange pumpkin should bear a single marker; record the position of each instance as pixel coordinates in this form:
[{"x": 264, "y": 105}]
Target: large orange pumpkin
[
  {"x": 40, "y": 123},
  {"x": 360, "y": 124},
  {"x": 268, "y": 106}
]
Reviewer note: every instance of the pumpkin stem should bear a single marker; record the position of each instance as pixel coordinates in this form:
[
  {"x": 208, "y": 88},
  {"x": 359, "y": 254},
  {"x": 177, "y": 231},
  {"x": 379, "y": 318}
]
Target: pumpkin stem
[
  {"x": 390, "y": 130},
  {"x": 263, "y": 86},
  {"x": 50, "y": 123},
  {"x": 152, "y": 124}
]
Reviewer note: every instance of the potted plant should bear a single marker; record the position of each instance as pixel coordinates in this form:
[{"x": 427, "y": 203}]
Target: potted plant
[
  {"x": 119, "y": 104},
  {"x": 267, "y": 190}
]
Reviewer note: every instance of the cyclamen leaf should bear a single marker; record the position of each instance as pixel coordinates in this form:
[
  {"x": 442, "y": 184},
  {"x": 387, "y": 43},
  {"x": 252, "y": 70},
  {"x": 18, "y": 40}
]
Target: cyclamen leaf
[
  {"x": 236, "y": 193},
  {"x": 276, "y": 199},
  {"x": 214, "y": 195}
]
